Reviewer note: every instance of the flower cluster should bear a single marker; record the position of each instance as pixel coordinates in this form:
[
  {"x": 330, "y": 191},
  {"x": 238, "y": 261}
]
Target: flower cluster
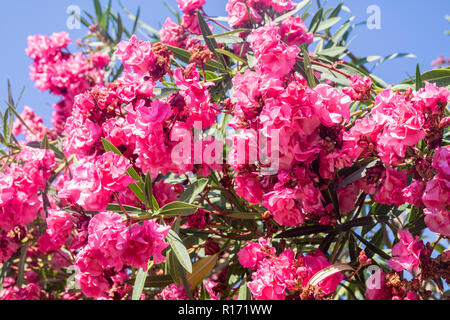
[
  {"x": 279, "y": 277},
  {"x": 111, "y": 245},
  {"x": 62, "y": 73}
]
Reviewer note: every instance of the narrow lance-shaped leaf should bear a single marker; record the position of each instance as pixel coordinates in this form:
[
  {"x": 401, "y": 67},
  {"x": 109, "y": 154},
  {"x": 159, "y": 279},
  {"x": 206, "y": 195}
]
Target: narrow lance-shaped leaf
[
  {"x": 210, "y": 42},
  {"x": 179, "y": 250},
  {"x": 139, "y": 284},
  {"x": 193, "y": 190},
  {"x": 419, "y": 82},
  {"x": 316, "y": 20},
  {"x": 177, "y": 208},
  {"x": 312, "y": 81},
  {"x": 201, "y": 270},
  {"x": 328, "y": 23}
]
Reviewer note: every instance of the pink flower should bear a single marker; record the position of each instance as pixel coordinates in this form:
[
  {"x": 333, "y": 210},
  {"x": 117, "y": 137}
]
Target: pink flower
[
  {"x": 391, "y": 188},
  {"x": 59, "y": 225},
  {"x": 360, "y": 88},
  {"x": 403, "y": 125},
  {"x": 92, "y": 286},
  {"x": 333, "y": 107},
  {"x": 438, "y": 220},
  {"x": 431, "y": 99},
  {"x": 254, "y": 252},
  {"x": 146, "y": 241},
  {"x": 313, "y": 263},
  {"x": 347, "y": 197},
  {"x": 112, "y": 170},
  {"x": 198, "y": 220},
  {"x": 172, "y": 34},
  {"x": 361, "y": 139},
  {"x": 109, "y": 235},
  {"x": 238, "y": 15},
  {"x": 274, "y": 58},
  {"x": 282, "y": 205},
  {"x": 441, "y": 162},
  {"x": 100, "y": 59},
  {"x": 188, "y": 6},
  {"x": 280, "y": 6},
  {"x": 164, "y": 193},
  {"x": 88, "y": 261},
  {"x": 33, "y": 122},
  {"x": 437, "y": 194},
  {"x": 7, "y": 247},
  {"x": 406, "y": 252},
  {"x": 273, "y": 277},
  {"x": 81, "y": 136},
  {"x": 294, "y": 32},
  {"x": 136, "y": 54},
  {"x": 173, "y": 292},
  {"x": 248, "y": 186},
  {"x": 413, "y": 193},
  {"x": 209, "y": 286},
  {"x": 196, "y": 96}
]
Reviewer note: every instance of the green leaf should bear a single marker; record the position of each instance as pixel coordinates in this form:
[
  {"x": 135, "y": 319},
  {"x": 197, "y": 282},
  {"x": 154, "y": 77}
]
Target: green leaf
[
  {"x": 312, "y": 81},
  {"x": 179, "y": 250},
  {"x": 149, "y": 197},
  {"x": 136, "y": 21},
  {"x": 161, "y": 93},
  {"x": 243, "y": 293},
  {"x": 184, "y": 56},
  {"x": 419, "y": 82},
  {"x": 340, "y": 33},
  {"x": 119, "y": 28},
  {"x": 153, "y": 32},
  {"x": 98, "y": 10},
  {"x": 394, "y": 56},
  {"x": 193, "y": 190},
  {"x": 303, "y": 231},
  {"x": 332, "y": 52},
  {"x": 158, "y": 281},
  {"x": 229, "y": 37},
  {"x": 21, "y": 268},
  {"x": 232, "y": 55},
  {"x": 201, "y": 269},
  {"x": 243, "y": 215},
  {"x": 139, "y": 284},
  {"x": 210, "y": 42},
  {"x": 336, "y": 77},
  {"x": 336, "y": 10},
  {"x": 328, "y": 23},
  {"x": 252, "y": 61},
  {"x": 440, "y": 77},
  {"x": 177, "y": 208},
  {"x": 129, "y": 209},
  {"x": 372, "y": 247},
  {"x": 356, "y": 172},
  {"x": 316, "y": 21}
]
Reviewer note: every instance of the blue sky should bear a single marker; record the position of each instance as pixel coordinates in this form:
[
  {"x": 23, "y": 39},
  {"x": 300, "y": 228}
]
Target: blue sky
[{"x": 407, "y": 26}]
